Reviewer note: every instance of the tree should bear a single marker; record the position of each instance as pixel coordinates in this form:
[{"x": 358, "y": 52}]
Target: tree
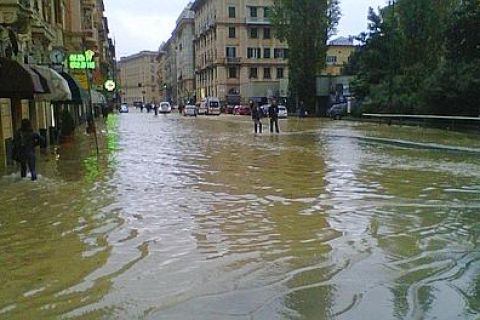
[
  {"x": 420, "y": 56},
  {"x": 306, "y": 26}
]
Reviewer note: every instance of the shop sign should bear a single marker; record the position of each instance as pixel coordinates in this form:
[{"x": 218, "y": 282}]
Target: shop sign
[{"x": 82, "y": 60}]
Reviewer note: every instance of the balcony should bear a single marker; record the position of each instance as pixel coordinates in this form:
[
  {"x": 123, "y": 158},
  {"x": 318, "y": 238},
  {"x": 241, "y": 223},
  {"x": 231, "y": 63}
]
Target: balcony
[
  {"x": 258, "y": 20},
  {"x": 15, "y": 12},
  {"x": 233, "y": 60}
]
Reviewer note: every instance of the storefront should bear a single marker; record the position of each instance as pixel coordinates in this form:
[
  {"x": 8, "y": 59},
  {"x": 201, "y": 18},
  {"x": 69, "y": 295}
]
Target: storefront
[{"x": 18, "y": 86}]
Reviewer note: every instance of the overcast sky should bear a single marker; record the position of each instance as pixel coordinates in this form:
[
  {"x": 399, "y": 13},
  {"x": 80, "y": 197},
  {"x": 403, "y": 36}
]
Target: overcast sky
[{"x": 145, "y": 24}]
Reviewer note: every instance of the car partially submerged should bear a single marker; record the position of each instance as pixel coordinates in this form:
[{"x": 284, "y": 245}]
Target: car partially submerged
[
  {"x": 337, "y": 111},
  {"x": 165, "y": 107},
  {"x": 282, "y": 112},
  {"x": 190, "y": 110}
]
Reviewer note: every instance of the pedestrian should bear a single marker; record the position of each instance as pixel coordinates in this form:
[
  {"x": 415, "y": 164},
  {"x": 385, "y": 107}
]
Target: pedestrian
[
  {"x": 105, "y": 112},
  {"x": 256, "y": 116},
  {"x": 24, "y": 144},
  {"x": 155, "y": 108},
  {"x": 302, "y": 110},
  {"x": 273, "y": 115},
  {"x": 141, "y": 107}
]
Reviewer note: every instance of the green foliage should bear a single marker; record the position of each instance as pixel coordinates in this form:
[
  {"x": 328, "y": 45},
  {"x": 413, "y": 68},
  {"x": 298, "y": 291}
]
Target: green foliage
[
  {"x": 306, "y": 26},
  {"x": 418, "y": 56}
]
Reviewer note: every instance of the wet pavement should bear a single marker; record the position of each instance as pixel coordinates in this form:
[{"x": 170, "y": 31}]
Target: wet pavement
[{"x": 199, "y": 218}]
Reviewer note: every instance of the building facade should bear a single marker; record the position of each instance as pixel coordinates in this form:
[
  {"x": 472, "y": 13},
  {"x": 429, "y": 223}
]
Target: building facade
[
  {"x": 237, "y": 58},
  {"x": 36, "y": 39},
  {"x": 139, "y": 78},
  {"x": 184, "y": 51},
  {"x": 339, "y": 52}
]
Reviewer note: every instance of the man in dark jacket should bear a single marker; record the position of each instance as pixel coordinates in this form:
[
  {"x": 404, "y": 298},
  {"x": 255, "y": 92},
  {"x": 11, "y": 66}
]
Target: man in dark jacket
[
  {"x": 273, "y": 115},
  {"x": 25, "y": 142},
  {"x": 256, "y": 116}
]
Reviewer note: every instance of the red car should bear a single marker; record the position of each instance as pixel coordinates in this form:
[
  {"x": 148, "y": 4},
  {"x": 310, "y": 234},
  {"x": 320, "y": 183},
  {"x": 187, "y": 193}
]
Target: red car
[{"x": 242, "y": 110}]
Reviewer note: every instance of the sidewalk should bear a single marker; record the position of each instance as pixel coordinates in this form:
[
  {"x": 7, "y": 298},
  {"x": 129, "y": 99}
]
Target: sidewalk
[{"x": 69, "y": 161}]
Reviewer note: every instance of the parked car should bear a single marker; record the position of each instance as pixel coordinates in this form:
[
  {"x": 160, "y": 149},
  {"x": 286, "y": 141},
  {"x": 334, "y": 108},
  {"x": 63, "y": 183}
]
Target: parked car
[
  {"x": 242, "y": 110},
  {"x": 138, "y": 104},
  {"x": 265, "y": 110},
  {"x": 190, "y": 110},
  {"x": 337, "y": 111},
  {"x": 165, "y": 107},
  {"x": 282, "y": 112},
  {"x": 228, "y": 109},
  {"x": 123, "y": 108}
]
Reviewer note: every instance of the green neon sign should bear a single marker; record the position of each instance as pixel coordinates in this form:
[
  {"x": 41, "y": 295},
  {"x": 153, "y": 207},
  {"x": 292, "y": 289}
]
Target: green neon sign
[{"x": 82, "y": 60}]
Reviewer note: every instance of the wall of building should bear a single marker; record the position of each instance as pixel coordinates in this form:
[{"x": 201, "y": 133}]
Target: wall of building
[
  {"x": 139, "y": 78},
  {"x": 337, "y": 57},
  {"x": 225, "y": 62}
]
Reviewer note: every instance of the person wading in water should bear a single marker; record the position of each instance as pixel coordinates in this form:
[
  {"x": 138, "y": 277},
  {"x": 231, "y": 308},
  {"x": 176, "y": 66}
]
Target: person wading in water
[
  {"x": 256, "y": 116},
  {"x": 25, "y": 142}
]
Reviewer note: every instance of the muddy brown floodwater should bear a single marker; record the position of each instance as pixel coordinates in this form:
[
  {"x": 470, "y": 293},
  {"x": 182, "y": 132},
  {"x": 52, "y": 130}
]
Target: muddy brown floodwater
[{"x": 184, "y": 218}]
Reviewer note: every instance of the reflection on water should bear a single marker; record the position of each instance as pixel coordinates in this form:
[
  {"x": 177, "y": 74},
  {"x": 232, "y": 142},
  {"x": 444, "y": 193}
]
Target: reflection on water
[{"x": 200, "y": 219}]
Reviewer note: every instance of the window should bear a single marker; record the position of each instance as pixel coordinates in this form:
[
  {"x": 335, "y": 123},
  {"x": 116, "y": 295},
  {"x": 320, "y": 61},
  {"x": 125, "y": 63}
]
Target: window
[
  {"x": 280, "y": 73},
  {"x": 254, "y": 33},
  {"x": 280, "y": 53},
  {"x": 266, "y": 33},
  {"x": 232, "y": 72},
  {"x": 266, "y": 53},
  {"x": 253, "y": 12},
  {"x": 266, "y": 73},
  {"x": 231, "y": 52},
  {"x": 231, "y": 32},
  {"x": 231, "y": 12},
  {"x": 253, "y": 73},
  {"x": 266, "y": 12},
  {"x": 331, "y": 59},
  {"x": 254, "y": 53}
]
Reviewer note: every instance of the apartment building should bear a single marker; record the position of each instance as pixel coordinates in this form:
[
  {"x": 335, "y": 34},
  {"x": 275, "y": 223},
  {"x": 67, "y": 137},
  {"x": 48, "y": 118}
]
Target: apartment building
[
  {"x": 237, "y": 57},
  {"x": 185, "y": 74},
  {"x": 139, "y": 78},
  {"x": 339, "y": 52},
  {"x": 167, "y": 73}
]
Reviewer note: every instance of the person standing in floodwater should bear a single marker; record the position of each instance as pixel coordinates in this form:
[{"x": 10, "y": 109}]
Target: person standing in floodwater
[
  {"x": 273, "y": 115},
  {"x": 256, "y": 116},
  {"x": 25, "y": 142}
]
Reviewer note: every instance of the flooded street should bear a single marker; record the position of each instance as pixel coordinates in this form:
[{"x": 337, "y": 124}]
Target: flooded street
[{"x": 184, "y": 218}]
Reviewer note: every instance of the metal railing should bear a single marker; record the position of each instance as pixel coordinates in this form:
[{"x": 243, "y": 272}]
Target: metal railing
[{"x": 257, "y": 20}]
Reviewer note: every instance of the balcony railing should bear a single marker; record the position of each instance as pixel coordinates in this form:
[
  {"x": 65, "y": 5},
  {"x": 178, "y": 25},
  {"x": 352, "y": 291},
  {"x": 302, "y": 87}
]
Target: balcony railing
[
  {"x": 258, "y": 20},
  {"x": 233, "y": 60}
]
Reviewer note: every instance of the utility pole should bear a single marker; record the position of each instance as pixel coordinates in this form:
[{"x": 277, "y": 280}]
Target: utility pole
[{"x": 89, "y": 87}]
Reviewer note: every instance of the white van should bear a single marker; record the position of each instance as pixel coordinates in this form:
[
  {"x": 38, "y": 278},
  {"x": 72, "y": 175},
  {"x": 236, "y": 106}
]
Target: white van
[
  {"x": 213, "y": 106},
  {"x": 202, "y": 107}
]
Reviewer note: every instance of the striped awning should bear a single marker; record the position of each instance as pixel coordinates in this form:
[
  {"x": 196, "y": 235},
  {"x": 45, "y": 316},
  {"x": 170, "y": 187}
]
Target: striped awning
[{"x": 19, "y": 80}]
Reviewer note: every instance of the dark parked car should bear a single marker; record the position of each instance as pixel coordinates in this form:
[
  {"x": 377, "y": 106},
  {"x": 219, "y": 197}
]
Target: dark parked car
[
  {"x": 138, "y": 104},
  {"x": 337, "y": 111}
]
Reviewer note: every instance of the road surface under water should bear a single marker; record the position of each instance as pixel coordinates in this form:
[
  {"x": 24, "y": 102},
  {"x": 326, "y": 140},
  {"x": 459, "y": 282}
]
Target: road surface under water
[{"x": 184, "y": 218}]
